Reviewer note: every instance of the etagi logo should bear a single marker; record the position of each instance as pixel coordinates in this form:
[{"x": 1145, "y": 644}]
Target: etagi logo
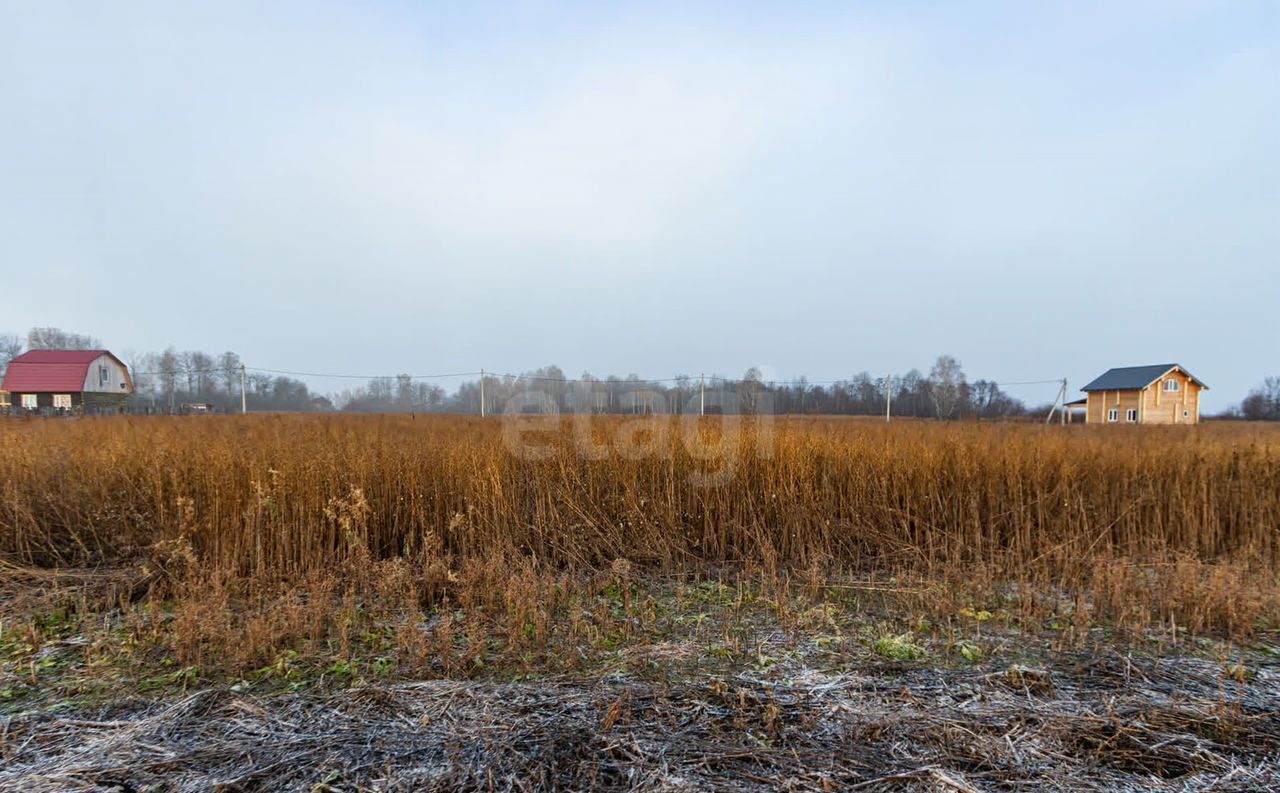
[{"x": 715, "y": 427}]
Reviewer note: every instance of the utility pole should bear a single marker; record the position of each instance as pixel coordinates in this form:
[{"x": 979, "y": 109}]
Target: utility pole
[
  {"x": 888, "y": 399},
  {"x": 702, "y": 394},
  {"x": 1061, "y": 399},
  {"x": 244, "y": 400},
  {"x": 482, "y": 393}
]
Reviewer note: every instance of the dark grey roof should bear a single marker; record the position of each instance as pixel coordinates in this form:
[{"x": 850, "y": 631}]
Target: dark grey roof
[{"x": 1129, "y": 377}]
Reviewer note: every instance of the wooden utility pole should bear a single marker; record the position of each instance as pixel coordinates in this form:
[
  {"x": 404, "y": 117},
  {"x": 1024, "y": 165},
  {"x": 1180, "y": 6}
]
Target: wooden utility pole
[
  {"x": 482, "y": 393},
  {"x": 702, "y": 394},
  {"x": 244, "y": 400}
]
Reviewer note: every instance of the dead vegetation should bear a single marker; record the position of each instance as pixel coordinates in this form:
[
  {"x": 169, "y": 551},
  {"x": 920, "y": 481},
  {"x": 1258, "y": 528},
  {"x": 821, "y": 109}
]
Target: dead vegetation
[
  {"x": 1085, "y": 723},
  {"x": 726, "y": 606}
]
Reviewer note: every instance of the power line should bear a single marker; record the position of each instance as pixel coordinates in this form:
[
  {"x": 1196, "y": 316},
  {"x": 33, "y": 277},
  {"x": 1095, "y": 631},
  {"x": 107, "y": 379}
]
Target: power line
[
  {"x": 360, "y": 376},
  {"x": 223, "y": 370},
  {"x": 613, "y": 379},
  {"x": 1028, "y": 382}
]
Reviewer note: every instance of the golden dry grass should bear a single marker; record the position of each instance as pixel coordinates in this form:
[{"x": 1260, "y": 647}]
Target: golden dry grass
[{"x": 264, "y": 532}]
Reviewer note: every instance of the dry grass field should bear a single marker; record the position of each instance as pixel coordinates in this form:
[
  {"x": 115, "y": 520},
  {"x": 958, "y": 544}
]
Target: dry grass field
[{"x": 155, "y": 557}]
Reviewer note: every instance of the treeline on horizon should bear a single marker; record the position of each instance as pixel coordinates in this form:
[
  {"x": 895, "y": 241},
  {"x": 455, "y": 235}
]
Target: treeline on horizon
[
  {"x": 943, "y": 393},
  {"x": 167, "y": 380}
]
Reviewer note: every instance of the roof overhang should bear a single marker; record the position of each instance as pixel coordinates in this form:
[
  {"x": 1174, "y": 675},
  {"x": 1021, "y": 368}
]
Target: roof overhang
[{"x": 1190, "y": 377}]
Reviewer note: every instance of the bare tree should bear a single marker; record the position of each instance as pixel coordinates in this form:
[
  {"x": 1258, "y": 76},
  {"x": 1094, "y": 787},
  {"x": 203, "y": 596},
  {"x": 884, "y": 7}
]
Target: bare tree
[
  {"x": 260, "y": 385},
  {"x": 988, "y": 401},
  {"x": 168, "y": 368},
  {"x": 865, "y": 396},
  {"x": 58, "y": 339},
  {"x": 749, "y": 389},
  {"x": 947, "y": 386},
  {"x": 381, "y": 389},
  {"x": 427, "y": 396},
  {"x": 684, "y": 390},
  {"x": 587, "y": 395},
  {"x": 202, "y": 372},
  {"x": 141, "y": 365},
  {"x": 404, "y": 392},
  {"x": 1263, "y": 402},
  {"x": 229, "y": 371},
  {"x": 11, "y": 346}
]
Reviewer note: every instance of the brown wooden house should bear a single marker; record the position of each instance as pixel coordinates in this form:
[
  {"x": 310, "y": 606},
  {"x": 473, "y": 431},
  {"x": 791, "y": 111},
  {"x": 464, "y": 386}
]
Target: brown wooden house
[{"x": 1159, "y": 394}]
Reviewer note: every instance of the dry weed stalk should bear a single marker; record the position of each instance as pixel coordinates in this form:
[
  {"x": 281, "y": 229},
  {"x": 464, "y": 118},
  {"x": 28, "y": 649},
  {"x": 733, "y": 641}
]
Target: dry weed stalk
[{"x": 321, "y": 519}]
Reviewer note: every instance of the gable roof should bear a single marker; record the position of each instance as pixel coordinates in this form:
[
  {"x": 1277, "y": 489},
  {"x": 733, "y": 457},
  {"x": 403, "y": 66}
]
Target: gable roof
[
  {"x": 57, "y": 371},
  {"x": 1127, "y": 378}
]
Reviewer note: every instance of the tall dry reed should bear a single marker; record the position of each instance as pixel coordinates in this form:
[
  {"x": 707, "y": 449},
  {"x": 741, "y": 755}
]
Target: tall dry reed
[{"x": 1131, "y": 521}]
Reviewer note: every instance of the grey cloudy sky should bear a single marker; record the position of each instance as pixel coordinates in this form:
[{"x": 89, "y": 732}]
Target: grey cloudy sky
[{"x": 1042, "y": 190}]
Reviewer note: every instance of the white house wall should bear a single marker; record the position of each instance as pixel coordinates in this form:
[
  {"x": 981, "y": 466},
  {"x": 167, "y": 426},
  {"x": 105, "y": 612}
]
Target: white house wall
[{"x": 117, "y": 377}]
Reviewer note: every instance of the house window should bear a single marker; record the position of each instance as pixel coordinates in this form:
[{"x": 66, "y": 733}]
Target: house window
[
  {"x": 30, "y": 401},
  {"x": 1131, "y": 415},
  {"x": 1172, "y": 385},
  {"x": 1113, "y": 414},
  {"x": 62, "y": 401},
  {"x": 102, "y": 375},
  {"x": 1186, "y": 414}
]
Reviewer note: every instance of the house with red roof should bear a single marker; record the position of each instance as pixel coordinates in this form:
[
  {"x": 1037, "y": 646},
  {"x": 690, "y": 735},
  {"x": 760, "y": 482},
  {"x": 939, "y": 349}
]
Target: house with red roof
[{"x": 66, "y": 380}]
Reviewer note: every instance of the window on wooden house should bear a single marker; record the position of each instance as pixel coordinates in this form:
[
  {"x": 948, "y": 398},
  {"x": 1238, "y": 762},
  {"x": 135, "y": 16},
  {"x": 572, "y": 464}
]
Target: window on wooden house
[
  {"x": 30, "y": 401},
  {"x": 1131, "y": 415},
  {"x": 62, "y": 401},
  {"x": 1172, "y": 385},
  {"x": 1113, "y": 414}
]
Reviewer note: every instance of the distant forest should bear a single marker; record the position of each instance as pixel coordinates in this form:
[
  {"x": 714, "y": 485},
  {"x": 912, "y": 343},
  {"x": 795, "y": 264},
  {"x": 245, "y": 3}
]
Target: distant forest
[{"x": 165, "y": 381}]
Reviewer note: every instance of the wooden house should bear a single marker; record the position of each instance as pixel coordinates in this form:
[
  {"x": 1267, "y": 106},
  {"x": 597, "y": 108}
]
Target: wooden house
[
  {"x": 67, "y": 380},
  {"x": 1159, "y": 394}
]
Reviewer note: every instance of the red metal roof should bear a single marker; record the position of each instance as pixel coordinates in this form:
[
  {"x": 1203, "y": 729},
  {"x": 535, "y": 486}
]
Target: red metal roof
[{"x": 46, "y": 371}]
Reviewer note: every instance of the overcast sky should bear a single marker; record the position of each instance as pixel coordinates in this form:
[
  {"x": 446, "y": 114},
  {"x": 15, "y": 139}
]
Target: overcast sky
[{"x": 1040, "y": 190}]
